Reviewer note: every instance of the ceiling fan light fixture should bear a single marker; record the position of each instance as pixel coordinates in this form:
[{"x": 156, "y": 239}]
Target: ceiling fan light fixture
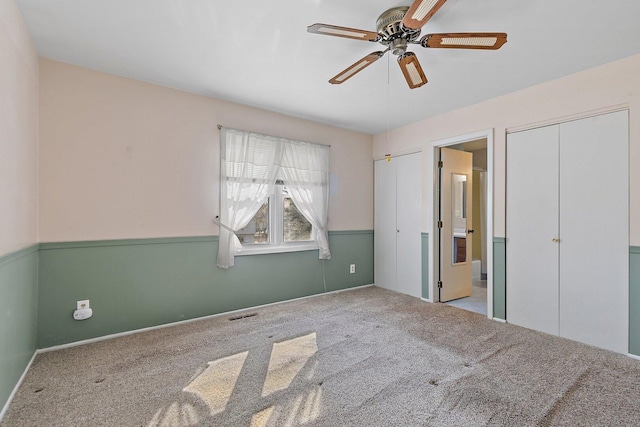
[{"x": 398, "y": 46}]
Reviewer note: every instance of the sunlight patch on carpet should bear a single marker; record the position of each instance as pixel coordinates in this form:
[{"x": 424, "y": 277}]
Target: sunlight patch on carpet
[
  {"x": 304, "y": 409},
  {"x": 175, "y": 415},
  {"x": 215, "y": 385},
  {"x": 287, "y": 360},
  {"x": 260, "y": 419}
]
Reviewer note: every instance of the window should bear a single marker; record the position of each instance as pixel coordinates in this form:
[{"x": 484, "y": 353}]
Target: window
[
  {"x": 295, "y": 227},
  {"x": 277, "y": 226},
  {"x": 257, "y": 231},
  {"x": 274, "y": 196}
]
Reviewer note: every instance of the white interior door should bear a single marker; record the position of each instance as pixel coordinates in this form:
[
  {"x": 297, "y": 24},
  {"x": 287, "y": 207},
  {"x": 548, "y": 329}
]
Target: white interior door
[
  {"x": 594, "y": 231},
  {"x": 384, "y": 236},
  {"x": 456, "y": 190},
  {"x": 408, "y": 209},
  {"x": 532, "y": 229}
]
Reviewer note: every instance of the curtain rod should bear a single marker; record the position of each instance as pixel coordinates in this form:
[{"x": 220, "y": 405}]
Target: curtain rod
[{"x": 314, "y": 143}]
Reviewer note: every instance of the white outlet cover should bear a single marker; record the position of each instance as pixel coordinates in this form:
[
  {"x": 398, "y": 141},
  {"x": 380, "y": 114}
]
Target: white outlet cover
[{"x": 82, "y": 304}]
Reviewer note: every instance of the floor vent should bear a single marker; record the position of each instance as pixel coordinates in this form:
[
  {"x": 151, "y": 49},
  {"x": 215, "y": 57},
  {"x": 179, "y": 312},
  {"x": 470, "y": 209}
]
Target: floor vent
[{"x": 243, "y": 316}]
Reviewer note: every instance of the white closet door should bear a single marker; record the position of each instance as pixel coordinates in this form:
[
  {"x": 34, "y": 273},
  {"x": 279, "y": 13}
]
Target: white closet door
[
  {"x": 532, "y": 228},
  {"x": 594, "y": 230},
  {"x": 408, "y": 208},
  {"x": 384, "y": 237}
]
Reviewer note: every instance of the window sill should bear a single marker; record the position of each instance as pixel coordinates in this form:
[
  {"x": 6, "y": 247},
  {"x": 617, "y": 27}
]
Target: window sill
[{"x": 272, "y": 249}]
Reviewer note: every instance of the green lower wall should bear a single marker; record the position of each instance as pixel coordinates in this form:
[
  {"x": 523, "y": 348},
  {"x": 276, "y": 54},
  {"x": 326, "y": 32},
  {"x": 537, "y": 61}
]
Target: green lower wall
[
  {"x": 634, "y": 300},
  {"x": 134, "y": 284},
  {"x": 499, "y": 278},
  {"x": 425, "y": 265},
  {"x": 18, "y": 316}
]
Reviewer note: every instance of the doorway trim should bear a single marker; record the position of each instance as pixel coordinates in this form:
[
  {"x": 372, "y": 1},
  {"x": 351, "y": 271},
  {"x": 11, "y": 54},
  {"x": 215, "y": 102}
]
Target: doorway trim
[{"x": 432, "y": 206}]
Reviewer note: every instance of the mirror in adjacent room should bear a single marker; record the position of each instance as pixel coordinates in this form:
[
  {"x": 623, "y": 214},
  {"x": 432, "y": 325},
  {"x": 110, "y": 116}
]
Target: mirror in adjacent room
[{"x": 459, "y": 217}]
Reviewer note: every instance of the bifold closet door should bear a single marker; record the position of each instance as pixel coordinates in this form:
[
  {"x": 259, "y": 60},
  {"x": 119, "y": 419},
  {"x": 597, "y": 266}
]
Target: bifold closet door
[
  {"x": 397, "y": 206},
  {"x": 384, "y": 230},
  {"x": 408, "y": 240},
  {"x": 532, "y": 229},
  {"x": 594, "y": 231},
  {"x": 568, "y": 230}
]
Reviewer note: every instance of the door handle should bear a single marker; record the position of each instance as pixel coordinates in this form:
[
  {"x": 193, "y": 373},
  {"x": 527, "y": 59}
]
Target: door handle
[
  {"x": 555, "y": 240},
  {"x": 470, "y": 231}
]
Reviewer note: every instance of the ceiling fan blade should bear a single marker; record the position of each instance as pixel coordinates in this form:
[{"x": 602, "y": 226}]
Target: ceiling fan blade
[
  {"x": 357, "y": 67},
  {"x": 490, "y": 41},
  {"x": 412, "y": 70},
  {"x": 420, "y": 12},
  {"x": 350, "y": 33}
]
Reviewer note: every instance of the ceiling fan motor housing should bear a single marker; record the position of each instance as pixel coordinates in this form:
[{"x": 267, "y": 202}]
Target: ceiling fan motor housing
[{"x": 391, "y": 31}]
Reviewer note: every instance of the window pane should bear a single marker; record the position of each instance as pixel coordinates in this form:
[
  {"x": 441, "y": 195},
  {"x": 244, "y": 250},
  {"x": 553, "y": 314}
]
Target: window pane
[
  {"x": 257, "y": 231},
  {"x": 295, "y": 225}
]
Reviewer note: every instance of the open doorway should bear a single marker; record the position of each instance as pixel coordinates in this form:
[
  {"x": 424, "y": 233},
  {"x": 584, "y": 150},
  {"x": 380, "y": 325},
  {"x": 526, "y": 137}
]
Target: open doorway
[
  {"x": 478, "y": 263},
  {"x": 477, "y": 300}
]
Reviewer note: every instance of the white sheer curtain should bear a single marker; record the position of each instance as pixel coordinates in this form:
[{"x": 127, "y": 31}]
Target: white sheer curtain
[
  {"x": 249, "y": 167},
  {"x": 305, "y": 172}
]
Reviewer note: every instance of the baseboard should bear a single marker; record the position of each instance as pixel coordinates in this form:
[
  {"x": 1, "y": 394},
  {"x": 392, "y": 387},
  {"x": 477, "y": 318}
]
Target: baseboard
[
  {"x": 633, "y": 356},
  {"x": 183, "y": 322},
  {"x": 339, "y": 291},
  {"x": 427, "y": 300},
  {"x": 18, "y": 384},
  {"x": 499, "y": 320}
]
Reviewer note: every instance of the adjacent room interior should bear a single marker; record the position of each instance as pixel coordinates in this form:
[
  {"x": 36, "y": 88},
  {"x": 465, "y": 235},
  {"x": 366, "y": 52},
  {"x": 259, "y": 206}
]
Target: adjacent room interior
[
  {"x": 201, "y": 223},
  {"x": 476, "y": 299}
]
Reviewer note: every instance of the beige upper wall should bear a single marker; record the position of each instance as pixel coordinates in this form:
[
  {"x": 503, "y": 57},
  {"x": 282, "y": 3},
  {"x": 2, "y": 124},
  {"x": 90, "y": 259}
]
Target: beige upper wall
[
  {"x": 585, "y": 93},
  {"x": 18, "y": 132},
  {"x": 121, "y": 158}
]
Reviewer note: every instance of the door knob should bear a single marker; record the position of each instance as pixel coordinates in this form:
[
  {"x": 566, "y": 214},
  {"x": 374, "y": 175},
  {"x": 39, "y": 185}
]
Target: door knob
[
  {"x": 555, "y": 240},
  {"x": 470, "y": 231}
]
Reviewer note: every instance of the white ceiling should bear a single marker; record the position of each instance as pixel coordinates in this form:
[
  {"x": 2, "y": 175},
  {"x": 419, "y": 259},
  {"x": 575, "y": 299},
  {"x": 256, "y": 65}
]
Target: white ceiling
[{"x": 258, "y": 53}]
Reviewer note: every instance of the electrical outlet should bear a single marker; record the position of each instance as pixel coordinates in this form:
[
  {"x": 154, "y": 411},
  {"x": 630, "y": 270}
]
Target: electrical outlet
[
  {"x": 352, "y": 269},
  {"x": 81, "y": 305}
]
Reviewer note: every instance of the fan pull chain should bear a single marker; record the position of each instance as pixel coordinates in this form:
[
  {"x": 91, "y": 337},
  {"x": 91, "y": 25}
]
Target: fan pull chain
[{"x": 388, "y": 94}]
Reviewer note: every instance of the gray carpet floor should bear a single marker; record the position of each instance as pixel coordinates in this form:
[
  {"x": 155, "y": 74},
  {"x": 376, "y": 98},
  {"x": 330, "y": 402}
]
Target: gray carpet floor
[{"x": 368, "y": 357}]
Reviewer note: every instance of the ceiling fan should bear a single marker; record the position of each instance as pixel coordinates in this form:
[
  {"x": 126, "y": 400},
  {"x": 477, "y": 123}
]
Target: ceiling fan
[{"x": 399, "y": 27}]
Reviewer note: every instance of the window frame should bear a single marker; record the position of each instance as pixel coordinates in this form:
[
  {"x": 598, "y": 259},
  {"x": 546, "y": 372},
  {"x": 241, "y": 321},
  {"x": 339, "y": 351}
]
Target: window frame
[{"x": 277, "y": 244}]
